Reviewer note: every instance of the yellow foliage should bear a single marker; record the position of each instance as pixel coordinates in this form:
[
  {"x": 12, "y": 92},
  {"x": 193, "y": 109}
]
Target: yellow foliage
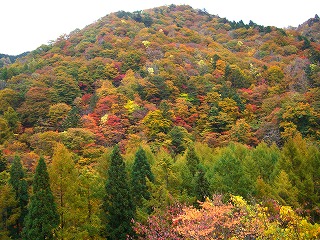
[
  {"x": 104, "y": 118},
  {"x": 131, "y": 106},
  {"x": 106, "y": 89}
]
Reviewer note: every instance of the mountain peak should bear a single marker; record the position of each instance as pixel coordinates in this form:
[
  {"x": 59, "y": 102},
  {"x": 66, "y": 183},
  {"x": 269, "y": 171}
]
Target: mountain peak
[{"x": 311, "y": 28}]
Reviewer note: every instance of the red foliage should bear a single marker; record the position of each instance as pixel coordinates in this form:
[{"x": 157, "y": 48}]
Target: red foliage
[
  {"x": 178, "y": 121},
  {"x": 90, "y": 122},
  {"x": 251, "y": 107},
  {"x": 159, "y": 226},
  {"x": 104, "y": 105},
  {"x": 86, "y": 98},
  {"x": 113, "y": 121}
]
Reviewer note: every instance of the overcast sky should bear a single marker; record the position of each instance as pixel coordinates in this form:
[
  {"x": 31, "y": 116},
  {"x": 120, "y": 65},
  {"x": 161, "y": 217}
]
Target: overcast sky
[{"x": 26, "y": 24}]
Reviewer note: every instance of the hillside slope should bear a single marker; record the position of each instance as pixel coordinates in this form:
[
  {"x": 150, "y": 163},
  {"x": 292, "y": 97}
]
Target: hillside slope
[
  {"x": 195, "y": 107},
  {"x": 208, "y": 75}
]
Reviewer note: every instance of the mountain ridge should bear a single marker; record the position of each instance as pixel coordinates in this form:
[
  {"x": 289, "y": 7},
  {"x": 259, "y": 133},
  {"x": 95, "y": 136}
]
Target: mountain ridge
[{"x": 6, "y": 59}]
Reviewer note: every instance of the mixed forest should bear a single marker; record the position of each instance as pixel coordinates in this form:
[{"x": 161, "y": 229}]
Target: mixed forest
[{"x": 167, "y": 123}]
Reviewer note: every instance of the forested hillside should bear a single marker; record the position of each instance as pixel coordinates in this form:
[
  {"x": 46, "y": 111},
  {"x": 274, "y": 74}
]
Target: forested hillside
[{"x": 167, "y": 123}]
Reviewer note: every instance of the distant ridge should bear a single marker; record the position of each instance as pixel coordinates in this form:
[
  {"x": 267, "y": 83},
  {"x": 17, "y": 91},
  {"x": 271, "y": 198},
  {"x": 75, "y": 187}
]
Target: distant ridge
[
  {"x": 311, "y": 28},
  {"x": 6, "y": 59}
]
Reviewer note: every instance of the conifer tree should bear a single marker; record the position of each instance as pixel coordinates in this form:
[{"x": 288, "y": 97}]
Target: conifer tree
[
  {"x": 201, "y": 184},
  {"x": 192, "y": 160},
  {"x": 141, "y": 171},
  {"x": 118, "y": 205},
  {"x": 177, "y": 140},
  {"x": 42, "y": 215},
  {"x": 20, "y": 187}
]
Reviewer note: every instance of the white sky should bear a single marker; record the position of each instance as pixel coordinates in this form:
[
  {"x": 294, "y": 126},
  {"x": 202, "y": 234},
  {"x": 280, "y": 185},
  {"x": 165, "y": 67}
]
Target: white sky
[{"x": 26, "y": 24}]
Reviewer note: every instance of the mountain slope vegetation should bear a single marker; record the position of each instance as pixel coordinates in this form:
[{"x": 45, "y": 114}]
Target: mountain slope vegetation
[{"x": 219, "y": 107}]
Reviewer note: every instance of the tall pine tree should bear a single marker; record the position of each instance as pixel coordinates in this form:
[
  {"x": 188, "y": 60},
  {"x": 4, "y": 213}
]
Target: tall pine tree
[
  {"x": 141, "y": 171},
  {"x": 20, "y": 187},
  {"x": 192, "y": 161},
  {"x": 201, "y": 184},
  {"x": 42, "y": 215},
  {"x": 118, "y": 205}
]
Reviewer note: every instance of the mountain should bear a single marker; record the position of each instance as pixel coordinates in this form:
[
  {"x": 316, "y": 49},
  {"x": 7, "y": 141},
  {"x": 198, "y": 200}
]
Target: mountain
[
  {"x": 311, "y": 28},
  {"x": 219, "y": 106},
  {"x": 6, "y": 59},
  {"x": 176, "y": 56}
]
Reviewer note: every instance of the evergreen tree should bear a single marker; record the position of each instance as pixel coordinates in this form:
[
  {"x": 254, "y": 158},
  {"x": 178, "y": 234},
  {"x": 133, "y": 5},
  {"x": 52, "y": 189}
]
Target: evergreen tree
[
  {"x": 201, "y": 184},
  {"x": 177, "y": 140},
  {"x": 192, "y": 160},
  {"x": 20, "y": 188},
  {"x": 141, "y": 171},
  {"x": 42, "y": 215},
  {"x": 117, "y": 204}
]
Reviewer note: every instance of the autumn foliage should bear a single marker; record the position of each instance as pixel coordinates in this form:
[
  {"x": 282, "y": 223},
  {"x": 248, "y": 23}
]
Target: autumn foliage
[{"x": 216, "y": 124}]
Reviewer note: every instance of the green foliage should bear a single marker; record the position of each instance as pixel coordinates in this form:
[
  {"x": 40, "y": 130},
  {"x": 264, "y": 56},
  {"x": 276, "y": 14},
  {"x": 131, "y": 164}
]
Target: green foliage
[
  {"x": 229, "y": 175},
  {"x": 91, "y": 188},
  {"x": 141, "y": 173},
  {"x": 8, "y": 98},
  {"x": 202, "y": 186},
  {"x": 178, "y": 140},
  {"x": 12, "y": 118},
  {"x": 132, "y": 61},
  {"x": 192, "y": 160},
  {"x": 264, "y": 159},
  {"x": 42, "y": 217},
  {"x": 20, "y": 188},
  {"x": 77, "y": 138},
  {"x": 164, "y": 78},
  {"x": 286, "y": 192},
  {"x": 65, "y": 90},
  {"x": 118, "y": 206},
  {"x": 274, "y": 75},
  {"x": 300, "y": 163}
]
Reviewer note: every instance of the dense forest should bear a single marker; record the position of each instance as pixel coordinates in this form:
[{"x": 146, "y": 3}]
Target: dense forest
[{"x": 167, "y": 123}]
